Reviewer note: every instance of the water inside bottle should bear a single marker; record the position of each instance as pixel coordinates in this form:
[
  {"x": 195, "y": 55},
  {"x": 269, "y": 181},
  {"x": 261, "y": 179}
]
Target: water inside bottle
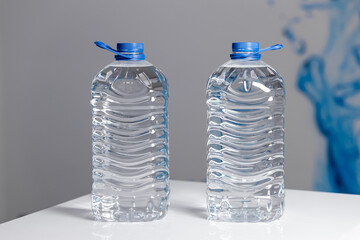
[
  {"x": 130, "y": 143},
  {"x": 245, "y": 174}
]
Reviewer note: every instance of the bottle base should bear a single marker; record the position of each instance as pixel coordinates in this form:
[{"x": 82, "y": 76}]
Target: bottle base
[
  {"x": 255, "y": 209},
  {"x": 116, "y": 209}
]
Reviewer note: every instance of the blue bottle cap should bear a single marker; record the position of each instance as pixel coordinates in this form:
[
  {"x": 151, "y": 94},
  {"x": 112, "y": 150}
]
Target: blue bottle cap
[
  {"x": 245, "y": 47},
  {"x": 130, "y": 47},
  {"x": 125, "y": 51}
]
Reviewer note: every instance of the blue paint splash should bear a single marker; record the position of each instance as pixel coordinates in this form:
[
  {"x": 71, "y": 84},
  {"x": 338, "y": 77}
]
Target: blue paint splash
[
  {"x": 298, "y": 44},
  {"x": 331, "y": 81}
]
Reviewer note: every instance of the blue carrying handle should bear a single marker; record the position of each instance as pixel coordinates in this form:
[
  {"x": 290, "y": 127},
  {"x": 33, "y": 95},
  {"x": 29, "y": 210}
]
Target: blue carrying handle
[
  {"x": 107, "y": 47},
  {"x": 273, "y": 47}
]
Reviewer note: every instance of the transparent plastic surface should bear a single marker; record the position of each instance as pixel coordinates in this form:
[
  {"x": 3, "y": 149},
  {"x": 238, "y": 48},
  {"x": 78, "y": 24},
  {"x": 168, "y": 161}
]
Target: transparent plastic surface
[
  {"x": 245, "y": 175},
  {"x": 130, "y": 142}
]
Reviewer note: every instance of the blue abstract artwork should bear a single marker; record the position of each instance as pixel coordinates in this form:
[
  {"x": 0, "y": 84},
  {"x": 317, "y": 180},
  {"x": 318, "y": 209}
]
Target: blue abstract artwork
[{"x": 330, "y": 80}]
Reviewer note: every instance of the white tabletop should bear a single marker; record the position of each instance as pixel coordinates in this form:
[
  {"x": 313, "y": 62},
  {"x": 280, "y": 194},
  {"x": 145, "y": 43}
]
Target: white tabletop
[{"x": 308, "y": 215}]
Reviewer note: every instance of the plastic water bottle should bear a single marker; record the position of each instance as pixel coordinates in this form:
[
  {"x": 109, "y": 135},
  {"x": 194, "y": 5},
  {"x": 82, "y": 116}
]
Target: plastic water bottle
[
  {"x": 245, "y": 176},
  {"x": 130, "y": 138}
]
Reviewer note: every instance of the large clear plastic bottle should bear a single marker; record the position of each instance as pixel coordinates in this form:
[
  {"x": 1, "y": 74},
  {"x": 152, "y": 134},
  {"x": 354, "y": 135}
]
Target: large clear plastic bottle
[
  {"x": 245, "y": 176},
  {"x": 130, "y": 138}
]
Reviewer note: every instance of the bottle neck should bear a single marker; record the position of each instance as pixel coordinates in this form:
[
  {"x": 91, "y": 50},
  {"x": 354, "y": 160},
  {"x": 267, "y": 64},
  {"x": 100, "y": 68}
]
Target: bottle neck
[
  {"x": 248, "y": 56},
  {"x": 130, "y": 56},
  {"x": 241, "y": 63},
  {"x": 130, "y": 63}
]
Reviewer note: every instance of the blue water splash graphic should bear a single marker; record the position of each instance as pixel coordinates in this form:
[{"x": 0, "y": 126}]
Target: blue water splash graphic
[{"x": 331, "y": 81}]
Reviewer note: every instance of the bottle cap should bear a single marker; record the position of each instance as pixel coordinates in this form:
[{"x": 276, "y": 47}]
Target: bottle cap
[
  {"x": 130, "y": 47},
  {"x": 245, "y": 47}
]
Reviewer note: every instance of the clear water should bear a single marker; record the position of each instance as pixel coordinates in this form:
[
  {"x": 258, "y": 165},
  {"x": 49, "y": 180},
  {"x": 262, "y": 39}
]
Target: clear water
[
  {"x": 130, "y": 143},
  {"x": 245, "y": 175}
]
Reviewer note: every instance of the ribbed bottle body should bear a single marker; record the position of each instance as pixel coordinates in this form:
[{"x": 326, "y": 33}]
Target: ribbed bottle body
[
  {"x": 130, "y": 142},
  {"x": 245, "y": 175}
]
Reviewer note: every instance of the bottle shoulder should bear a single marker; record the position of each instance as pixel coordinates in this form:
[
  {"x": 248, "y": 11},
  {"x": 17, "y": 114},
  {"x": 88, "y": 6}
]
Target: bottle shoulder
[
  {"x": 126, "y": 63},
  {"x": 241, "y": 63},
  {"x": 129, "y": 70},
  {"x": 130, "y": 77},
  {"x": 251, "y": 69},
  {"x": 256, "y": 73}
]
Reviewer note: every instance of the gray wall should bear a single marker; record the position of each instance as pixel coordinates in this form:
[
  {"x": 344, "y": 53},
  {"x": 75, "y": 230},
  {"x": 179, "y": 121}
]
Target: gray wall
[{"x": 48, "y": 60}]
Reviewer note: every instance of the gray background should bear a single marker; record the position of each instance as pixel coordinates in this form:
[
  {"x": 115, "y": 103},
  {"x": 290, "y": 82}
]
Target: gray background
[{"x": 48, "y": 60}]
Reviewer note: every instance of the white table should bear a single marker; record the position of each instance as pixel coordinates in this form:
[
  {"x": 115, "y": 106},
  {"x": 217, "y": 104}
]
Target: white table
[{"x": 308, "y": 215}]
